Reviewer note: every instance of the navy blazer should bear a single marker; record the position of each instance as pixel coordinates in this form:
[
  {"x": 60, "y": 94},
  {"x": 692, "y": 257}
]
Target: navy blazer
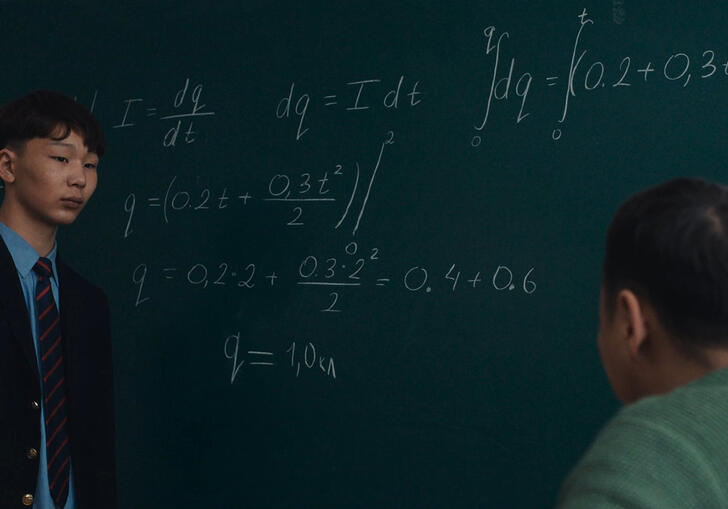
[{"x": 90, "y": 397}]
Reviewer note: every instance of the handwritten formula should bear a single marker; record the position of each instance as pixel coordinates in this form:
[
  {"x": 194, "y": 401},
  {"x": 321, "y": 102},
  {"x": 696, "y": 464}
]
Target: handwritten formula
[
  {"x": 300, "y": 190},
  {"x": 353, "y": 269},
  {"x": 300, "y": 358},
  {"x": 584, "y": 74},
  {"x": 331, "y": 201}
]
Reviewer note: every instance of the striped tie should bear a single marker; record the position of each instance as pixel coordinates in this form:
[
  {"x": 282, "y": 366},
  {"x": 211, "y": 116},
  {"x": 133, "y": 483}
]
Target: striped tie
[{"x": 54, "y": 389}]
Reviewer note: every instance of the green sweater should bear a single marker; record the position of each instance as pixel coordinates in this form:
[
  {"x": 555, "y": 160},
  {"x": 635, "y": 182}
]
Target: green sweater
[{"x": 663, "y": 452}]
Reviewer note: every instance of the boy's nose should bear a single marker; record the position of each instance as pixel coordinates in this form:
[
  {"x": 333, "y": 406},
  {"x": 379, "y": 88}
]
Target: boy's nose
[{"x": 77, "y": 177}]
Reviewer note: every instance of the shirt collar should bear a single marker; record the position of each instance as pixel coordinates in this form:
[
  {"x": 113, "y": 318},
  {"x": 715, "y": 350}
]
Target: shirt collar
[{"x": 23, "y": 254}]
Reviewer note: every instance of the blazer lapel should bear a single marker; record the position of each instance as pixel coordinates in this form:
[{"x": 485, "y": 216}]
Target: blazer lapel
[
  {"x": 70, "y": 323},
  {"x": 12, "y": 304}
]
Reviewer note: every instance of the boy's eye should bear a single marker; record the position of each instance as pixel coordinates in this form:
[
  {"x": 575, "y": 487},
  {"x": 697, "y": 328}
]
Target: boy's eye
[
  {"x": 60, "y": 158},
  {"x": 91, "y": 166}
]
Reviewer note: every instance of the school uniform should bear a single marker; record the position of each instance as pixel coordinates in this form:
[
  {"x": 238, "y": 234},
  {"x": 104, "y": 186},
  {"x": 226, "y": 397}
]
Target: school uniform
[{"x": 86, "y": 348}]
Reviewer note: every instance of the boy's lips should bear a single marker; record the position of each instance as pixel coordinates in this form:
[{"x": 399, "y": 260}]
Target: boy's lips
[{"x": 72, "y": 203}]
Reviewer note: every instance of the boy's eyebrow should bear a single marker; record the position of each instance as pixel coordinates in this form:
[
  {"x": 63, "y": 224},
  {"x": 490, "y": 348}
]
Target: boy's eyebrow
[
  {"x": 65, "y": 144},
  {"x": 70, "y": 145}
]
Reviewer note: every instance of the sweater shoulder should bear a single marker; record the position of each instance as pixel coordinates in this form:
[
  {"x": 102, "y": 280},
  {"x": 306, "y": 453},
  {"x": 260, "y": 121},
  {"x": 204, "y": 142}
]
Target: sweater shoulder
[{"x": 662, "y": 451}]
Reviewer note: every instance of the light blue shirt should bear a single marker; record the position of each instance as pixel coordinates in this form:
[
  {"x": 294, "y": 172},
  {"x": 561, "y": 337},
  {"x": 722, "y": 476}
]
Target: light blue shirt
[{"x": 24, "y": 256}]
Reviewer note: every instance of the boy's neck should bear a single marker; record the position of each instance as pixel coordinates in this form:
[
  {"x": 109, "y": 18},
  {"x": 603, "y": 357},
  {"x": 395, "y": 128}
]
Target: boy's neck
[{"x": 39, "y": 235}]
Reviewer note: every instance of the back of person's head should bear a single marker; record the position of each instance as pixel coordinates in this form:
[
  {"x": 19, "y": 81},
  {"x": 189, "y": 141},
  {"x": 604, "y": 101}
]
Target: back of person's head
[
  {"x": 669, "y": 245},
  {"x": 48, "y": 114}
]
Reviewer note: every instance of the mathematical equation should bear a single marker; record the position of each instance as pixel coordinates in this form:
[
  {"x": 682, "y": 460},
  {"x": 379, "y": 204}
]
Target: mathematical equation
[
  {"x": 360, "y": 96},
  {"x": 300, "y": 190},
  {"x": 584, "y": 75},
  {"x": 300, "y": 359},
  {"x": 186, "y": 108},
  {"x": 332, "y": 274}
]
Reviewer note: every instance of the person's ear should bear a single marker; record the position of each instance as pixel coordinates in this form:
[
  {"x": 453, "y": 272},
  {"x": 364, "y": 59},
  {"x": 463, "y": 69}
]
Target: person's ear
[
  {"x": 632, "y": 324},
  {"x": 7, "y": 165}
]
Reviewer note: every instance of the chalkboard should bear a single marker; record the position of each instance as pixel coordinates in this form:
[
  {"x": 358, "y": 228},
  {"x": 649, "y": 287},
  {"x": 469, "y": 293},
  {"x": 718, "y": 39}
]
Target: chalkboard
[{"x": 353, "y": 250}]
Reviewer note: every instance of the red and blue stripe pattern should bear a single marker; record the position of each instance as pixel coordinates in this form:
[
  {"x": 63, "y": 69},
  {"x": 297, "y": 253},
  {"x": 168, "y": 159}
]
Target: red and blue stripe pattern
[{"x": 54, "y": 389}]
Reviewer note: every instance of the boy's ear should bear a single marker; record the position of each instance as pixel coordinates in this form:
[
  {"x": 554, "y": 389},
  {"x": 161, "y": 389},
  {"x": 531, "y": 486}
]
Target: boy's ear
[
  {"x": 634, "y": 323},
  {"x": 7, "y": 165}
]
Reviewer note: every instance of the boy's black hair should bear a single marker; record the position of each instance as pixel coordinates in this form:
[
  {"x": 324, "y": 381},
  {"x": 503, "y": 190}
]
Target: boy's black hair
[
  {"x": 669, "y": 245},
  {"x": 41, "y": 114}
]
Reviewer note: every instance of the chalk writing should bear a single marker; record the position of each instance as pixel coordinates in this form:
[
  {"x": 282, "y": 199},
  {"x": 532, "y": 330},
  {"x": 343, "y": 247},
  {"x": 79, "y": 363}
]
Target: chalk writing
[
  {"x": 255, "y": 358},
  {"x": 359, "y": 95},
  {"x": 186, "y": 108},
  {"x": 300, "y": 189},
  {"x": 307, "y": 357},
  {"x": 300, "y": 357},
  {"x": 334, "y": 275},
  {"x": 584, "y": 75}
]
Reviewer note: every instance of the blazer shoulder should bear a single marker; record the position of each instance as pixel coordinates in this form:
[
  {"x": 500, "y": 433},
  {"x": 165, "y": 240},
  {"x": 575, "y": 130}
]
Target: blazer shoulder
[{"x": 74, "y": 282}]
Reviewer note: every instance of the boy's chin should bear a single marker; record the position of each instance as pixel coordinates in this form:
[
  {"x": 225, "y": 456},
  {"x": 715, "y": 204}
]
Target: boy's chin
[{"x": 62, "y": 220}]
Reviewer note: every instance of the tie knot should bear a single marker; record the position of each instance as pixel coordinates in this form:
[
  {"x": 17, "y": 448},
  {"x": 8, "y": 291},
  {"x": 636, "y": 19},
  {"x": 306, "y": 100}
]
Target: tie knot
[{"x": 43, "y": 267}]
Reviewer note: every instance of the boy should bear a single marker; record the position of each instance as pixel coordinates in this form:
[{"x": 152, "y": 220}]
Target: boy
[
  {"x": 56, "y": 397},
  {"x": 663, "y": 340}
]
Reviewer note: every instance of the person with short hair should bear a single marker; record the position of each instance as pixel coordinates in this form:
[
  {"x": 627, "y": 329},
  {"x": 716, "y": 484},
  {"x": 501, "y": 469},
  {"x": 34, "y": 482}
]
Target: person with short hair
[
  {"x": 56, "y": 393},
  {"x": 663, "y": 341}
]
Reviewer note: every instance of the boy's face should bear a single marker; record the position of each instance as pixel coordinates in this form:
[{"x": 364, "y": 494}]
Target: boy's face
[{"x": 52, "y": 180}]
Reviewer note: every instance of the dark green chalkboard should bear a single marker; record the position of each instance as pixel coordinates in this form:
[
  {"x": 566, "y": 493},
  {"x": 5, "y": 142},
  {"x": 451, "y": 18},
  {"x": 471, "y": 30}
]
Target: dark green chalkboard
[{"x": 458, "y": 365}]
